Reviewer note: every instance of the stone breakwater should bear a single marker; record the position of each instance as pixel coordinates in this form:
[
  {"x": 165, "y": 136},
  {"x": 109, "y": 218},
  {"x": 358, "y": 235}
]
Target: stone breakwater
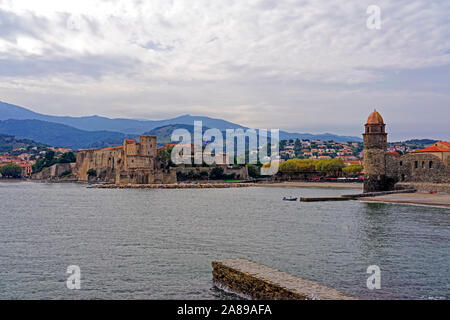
[
  {"x": 174, "y": 186},
  {"x": 261, "y": 282}
]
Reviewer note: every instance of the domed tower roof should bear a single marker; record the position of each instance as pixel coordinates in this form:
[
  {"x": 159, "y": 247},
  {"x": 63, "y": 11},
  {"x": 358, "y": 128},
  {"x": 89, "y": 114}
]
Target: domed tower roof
[{"x": 375, "y": 118}]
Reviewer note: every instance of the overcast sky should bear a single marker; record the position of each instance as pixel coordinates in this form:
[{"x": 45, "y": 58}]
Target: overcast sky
[{"x": 301, "y": 66}]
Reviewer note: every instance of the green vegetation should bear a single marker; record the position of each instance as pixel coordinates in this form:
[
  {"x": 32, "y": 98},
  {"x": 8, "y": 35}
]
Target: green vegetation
[
  {"x": 49, "y": 159},
  {"x": 9, "y": 143},
  {"x": 353, "y": 169},
  {"x": 67, "y": 157},
  {"x": 308, "y": 165},
  {"x": 329, "y": 165},
  {"x": 253, "y": 171},
  {"x": 11, "y": 170},
  {"x": 216, "y": 173},
  {"x": 164, "y": 158},
  {"x": 92, "y": 173}
]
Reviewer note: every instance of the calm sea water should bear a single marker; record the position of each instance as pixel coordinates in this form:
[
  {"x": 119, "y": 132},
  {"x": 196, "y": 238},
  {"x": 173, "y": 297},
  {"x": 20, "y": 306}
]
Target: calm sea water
[{"x": 159, "y": 244}]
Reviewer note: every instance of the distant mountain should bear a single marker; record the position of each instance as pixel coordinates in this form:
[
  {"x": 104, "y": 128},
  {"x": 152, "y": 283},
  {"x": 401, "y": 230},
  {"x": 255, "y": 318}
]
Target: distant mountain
[
  {"x": 414, "y": 143},
  {"x": 131, "y": 126},
  {"x": 164, "y": 133},
  {"x": 94, "y": 123},
  {"x": 8, "y": 143},
  {"x": 323, "y": 136},
  {"x": 419, "y": 142},
  {"x": 59, "y": 135}
]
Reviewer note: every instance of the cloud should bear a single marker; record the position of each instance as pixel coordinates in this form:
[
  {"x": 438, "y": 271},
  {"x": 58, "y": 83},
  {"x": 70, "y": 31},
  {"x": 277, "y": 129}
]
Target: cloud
[{"x": 246, "y": 60}]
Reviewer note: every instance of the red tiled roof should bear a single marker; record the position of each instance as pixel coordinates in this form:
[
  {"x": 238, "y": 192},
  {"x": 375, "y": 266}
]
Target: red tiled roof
[
  {"x": 445, "y": 143},
  {"x": 375, "y": 118},
  {"x": 433, "y": 149}
]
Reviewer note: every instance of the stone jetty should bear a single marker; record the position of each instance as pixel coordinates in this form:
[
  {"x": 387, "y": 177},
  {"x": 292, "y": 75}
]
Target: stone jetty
[
  {"x": 173, "y": 186},
  {"x": 261, "y": 282},
  {"x": 355, "y": 196}
]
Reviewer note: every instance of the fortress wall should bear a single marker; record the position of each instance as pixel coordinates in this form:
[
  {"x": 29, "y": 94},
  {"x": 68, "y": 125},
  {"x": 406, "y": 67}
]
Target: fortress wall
[
  {"x": 147, "y": 146},
  {"x": 54, "y": 172},
  {"x": 103, "y": 161},
  {"x": 165, "y": 176},
  {"x": 404, "y": 168},
  {"x": 136, "y": 162}
]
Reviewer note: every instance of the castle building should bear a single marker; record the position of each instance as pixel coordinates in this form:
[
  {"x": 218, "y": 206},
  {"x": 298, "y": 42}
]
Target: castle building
[
  {"x": 384, "y": 170},
  {"x": 133, "y": 162}
]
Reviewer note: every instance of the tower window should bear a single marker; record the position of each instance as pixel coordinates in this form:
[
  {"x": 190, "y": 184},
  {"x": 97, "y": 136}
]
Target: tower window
[
  {"x": 430, "y": 164},
  {"x": 401, "y": 163},
  {"x": 423, "y": 164},
  {"x": 416, "y": 164}
]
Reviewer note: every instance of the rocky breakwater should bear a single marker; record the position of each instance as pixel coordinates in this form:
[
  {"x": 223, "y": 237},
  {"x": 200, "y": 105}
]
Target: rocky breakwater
[{"x": 173, "y": 186}]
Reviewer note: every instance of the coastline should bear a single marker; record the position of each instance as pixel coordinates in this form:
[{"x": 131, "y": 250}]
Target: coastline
[
  {"x": 419, "y": 198},
  {"x": 424, "y": 199},
  {"x": 305, "y": 184}
]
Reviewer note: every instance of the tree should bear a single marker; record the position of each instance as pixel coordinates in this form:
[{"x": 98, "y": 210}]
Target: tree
[
  {"x": 38, "y": 165},
  {"x": 11, "y": 170},
  {"x": 49, "y": 156},
  {"x": 353, "y": 169},
  {"x": 164, "y": 158},
  {"x": 329, "y": 165},
  {"x": 67, "y": 157},
  {"x": 216, "y": 173},
  {"x": 91, "y": 173},
  {"x": 297, "y": 165},
  {"x": 253, "y": 171}
]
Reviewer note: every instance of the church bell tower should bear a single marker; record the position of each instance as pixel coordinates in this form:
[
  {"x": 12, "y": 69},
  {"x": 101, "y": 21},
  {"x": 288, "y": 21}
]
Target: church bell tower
[{"x": 375, "y": 145}]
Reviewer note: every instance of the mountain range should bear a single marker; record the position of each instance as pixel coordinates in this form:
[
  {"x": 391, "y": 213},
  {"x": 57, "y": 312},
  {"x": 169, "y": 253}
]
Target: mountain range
[{"x": 98, "y": 131}]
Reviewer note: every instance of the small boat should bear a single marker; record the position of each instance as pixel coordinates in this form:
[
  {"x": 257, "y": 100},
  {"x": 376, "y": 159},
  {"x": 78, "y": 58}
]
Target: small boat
[{"x": 289, "y": 199}]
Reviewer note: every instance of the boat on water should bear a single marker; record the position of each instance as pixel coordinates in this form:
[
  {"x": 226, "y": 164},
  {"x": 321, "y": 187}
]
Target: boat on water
[{"x": 289, "y": 199}]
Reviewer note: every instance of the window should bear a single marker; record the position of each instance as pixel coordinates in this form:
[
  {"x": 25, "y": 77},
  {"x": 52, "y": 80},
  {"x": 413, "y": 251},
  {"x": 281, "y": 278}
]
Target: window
[
  {"x": 423, "y": 164},
  {"x": 401, "y": 163},
  {"x": 430, "y": 164},
  {"x": 416, "y": 164}
]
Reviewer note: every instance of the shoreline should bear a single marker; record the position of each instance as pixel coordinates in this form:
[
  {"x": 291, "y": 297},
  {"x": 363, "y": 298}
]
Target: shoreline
[
  {"x": 305, "y": 184},
  {"x": 422, "y": 199},
  {"x": 173, "y": 186},
  {"x": 441, "y": 200}
]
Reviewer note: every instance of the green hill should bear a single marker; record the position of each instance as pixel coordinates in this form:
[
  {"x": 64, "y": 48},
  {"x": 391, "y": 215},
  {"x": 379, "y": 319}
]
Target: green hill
[{"x": 9, "y": 143}]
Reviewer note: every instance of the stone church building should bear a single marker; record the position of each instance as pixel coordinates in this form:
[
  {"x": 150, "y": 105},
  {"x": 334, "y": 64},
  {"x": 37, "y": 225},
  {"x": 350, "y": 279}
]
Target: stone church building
[{"x": 427, "y": 169}]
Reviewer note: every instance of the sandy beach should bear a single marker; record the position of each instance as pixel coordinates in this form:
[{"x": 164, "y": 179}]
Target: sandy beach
[
  {"x": 303, "y": 184},
  {"x": 441, "y": 200}
]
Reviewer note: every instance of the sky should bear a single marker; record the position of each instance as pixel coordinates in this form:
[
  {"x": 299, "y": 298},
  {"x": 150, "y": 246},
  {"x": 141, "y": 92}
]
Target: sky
[{"x": 296, "y": 65}]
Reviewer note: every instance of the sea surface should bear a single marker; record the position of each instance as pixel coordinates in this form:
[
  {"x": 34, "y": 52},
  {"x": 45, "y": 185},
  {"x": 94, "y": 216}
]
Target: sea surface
[{"x": 159, "y": 244}]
